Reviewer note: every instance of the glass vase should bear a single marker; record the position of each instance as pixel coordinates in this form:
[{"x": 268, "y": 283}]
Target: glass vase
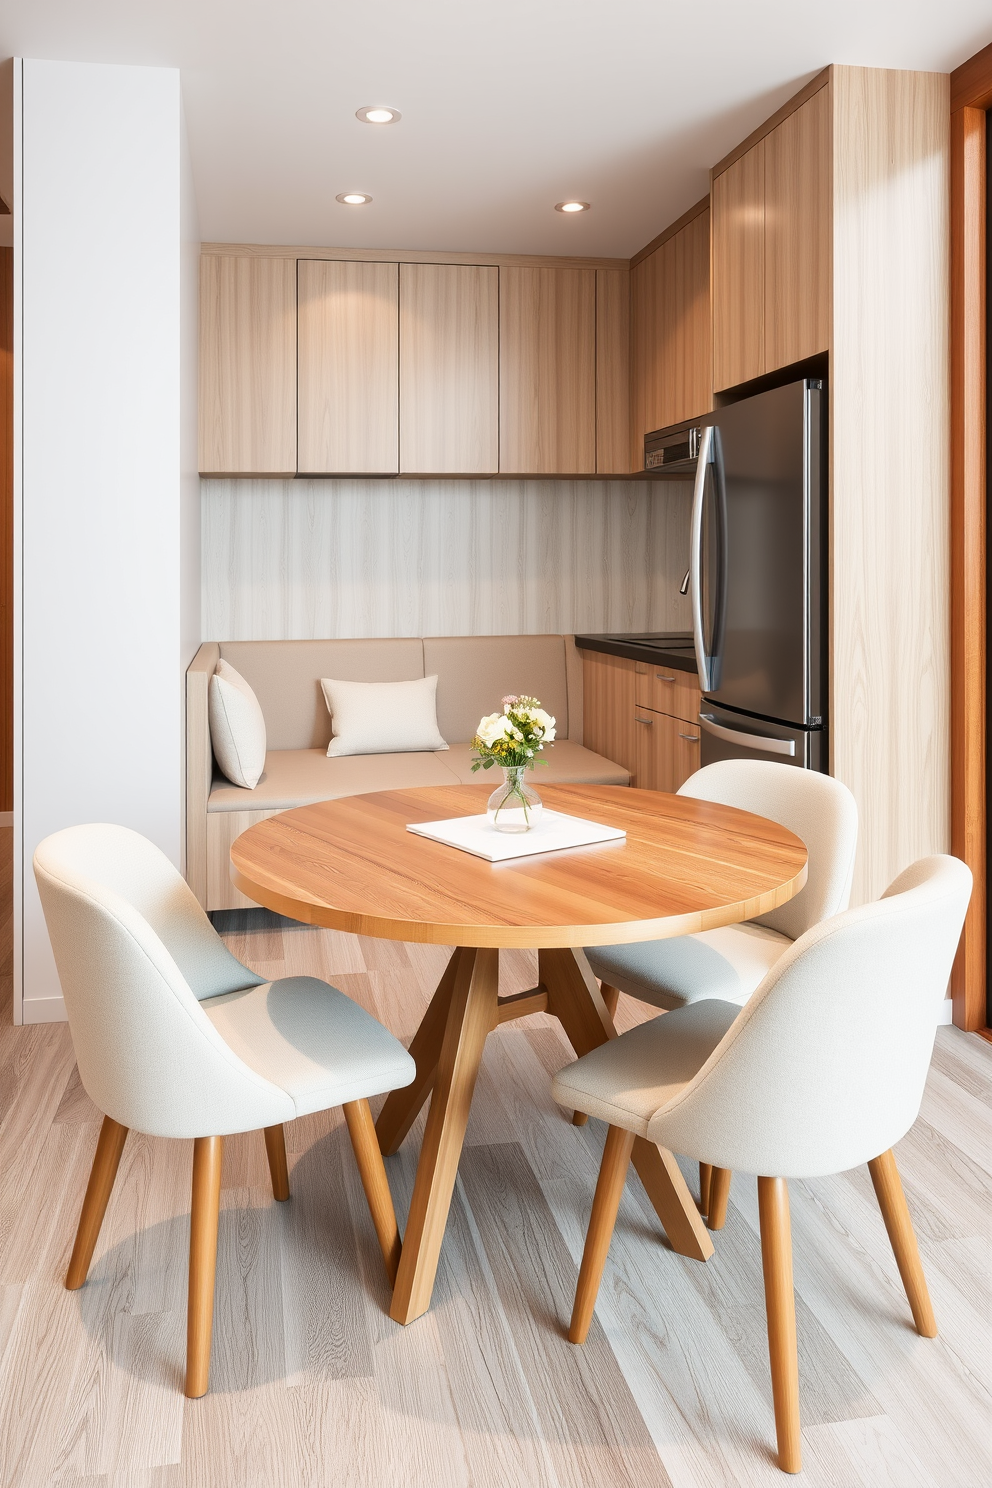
[{"x": 514, "y": 806}]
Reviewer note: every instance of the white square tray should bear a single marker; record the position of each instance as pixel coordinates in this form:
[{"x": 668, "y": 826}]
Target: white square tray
[{"x": 554, "y": 831}]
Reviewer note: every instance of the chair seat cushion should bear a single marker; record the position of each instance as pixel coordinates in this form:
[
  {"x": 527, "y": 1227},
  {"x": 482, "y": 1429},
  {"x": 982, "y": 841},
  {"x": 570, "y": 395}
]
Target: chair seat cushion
[
  {"x": 728, "y": 963},
  {"x": 625, "y": 1081},
  {"x": 298, "y": 777},
  {"x": 567, "y": 764},
  {"x": 312, "y": 1041}
]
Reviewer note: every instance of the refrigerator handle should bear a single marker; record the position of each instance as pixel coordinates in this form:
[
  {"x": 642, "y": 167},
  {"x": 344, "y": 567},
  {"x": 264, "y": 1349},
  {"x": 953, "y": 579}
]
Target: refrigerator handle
[
  {"x": 749, "y": 741},
  {"x": 696, "y": 556}
]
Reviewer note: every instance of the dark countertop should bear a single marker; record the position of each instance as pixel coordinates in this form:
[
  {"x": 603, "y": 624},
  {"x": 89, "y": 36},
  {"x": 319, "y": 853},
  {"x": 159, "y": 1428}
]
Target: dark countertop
[{"x": 671, "y": 648}]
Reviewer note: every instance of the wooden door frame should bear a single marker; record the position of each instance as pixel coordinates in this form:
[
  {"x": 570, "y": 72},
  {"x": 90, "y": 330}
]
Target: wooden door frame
[{"x": 971, "y": 97}]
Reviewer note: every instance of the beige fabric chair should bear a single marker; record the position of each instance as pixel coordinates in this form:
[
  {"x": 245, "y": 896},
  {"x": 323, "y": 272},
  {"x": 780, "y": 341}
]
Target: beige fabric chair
[
  {"x": 822, "y": 1070},
  {"x": 175, "y": 1038},
  {"x": 730, "y": 962}
]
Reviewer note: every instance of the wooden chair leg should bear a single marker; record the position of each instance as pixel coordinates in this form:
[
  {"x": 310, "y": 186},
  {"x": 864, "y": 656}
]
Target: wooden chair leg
[
  {"x": 609, "y": 1191},
  {"x": 892, "y": 1202},
  {"x": 361, "y": 1129},
  {"x": 780, "y": 1306},
  {"x": 275, "y": 1151},
  {"x": 98, "y": 1191},
  {"x": 204, "y": 1215},
  {"x": 611, "y": 996},
  {"x": 705, "y": 1175},
  {"x": 717, "y": 1197}
]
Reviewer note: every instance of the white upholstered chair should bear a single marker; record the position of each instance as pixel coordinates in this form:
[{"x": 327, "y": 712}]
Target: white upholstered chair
[
  {"x": 822, "y": 1070},
  {"x": 175, "y": 1038},
  {"x": 729, "y": 963}
]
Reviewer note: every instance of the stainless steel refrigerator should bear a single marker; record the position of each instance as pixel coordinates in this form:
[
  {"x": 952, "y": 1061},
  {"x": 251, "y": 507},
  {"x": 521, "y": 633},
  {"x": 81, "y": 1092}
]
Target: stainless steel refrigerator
[{"x": 757, "y": 578}]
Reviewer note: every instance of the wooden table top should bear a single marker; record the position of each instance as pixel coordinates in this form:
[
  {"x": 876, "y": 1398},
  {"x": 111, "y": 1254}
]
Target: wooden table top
[{"x": 686, "y": 865}]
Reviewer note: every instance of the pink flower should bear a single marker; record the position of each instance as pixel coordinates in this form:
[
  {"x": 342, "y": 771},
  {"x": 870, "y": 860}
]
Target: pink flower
[{"x": 510, "y": 699}]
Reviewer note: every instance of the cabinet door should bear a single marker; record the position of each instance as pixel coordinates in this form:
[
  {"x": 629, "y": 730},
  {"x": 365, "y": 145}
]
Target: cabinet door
[
  {"x": 694, "y": 331},
  {"x": 613, "y": 372},
  {"x": 667, "y": 690},
  {"x": 667, "y": 750},
  {"x": 449, "y": 369},
  {"x": 547, "y": 371},
  {"x": 608, "y": 707},
  {"x": 247, "y": 391},
  {"x": 738, "y": 208},
  {"x": 348, "y": 368},
  {"x": 798, "y": 234}
]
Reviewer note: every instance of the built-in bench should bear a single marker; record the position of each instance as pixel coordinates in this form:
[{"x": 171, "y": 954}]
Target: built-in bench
[{"x": 474, "y": 673}]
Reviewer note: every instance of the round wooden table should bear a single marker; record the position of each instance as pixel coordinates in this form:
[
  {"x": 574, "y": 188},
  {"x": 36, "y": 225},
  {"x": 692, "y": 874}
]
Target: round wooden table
[{"x": 350, "y": 864}]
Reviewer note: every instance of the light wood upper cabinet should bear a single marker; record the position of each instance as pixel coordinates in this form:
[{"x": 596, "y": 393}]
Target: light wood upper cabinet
[
  {"x": 547, "y": 374},
  {"x": 449, "y": 369},
  {"x": 670, "y": 334},
  {"x": 612, "y": 371},
  {"x": 738, "y": 205},
  {"x": 348, "y": 368},
  {"x": 798, "y": 234},
  {"x": 247, "y": 365},
  {"x": 772, "y": 248}
]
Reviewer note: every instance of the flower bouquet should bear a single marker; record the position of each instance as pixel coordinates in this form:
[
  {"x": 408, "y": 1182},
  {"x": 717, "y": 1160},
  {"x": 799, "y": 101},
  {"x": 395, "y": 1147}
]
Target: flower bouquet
[{"x": 513, "y": 740}]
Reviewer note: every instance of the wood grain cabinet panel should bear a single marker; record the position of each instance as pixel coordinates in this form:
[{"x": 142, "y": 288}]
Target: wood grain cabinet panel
[
  {"x": 738, "y": 207},
  {"x": 348, "y": 368},
  {"x": 667, "y": 690},
  {"x": 667, "y": 750},
  {"x": 247, "y": 389},
  {"x": 613, "y": 372},
  {"x": 671, "y": 334},
  {"x": 449, "y": 369},
  {"x": 798, "y": 235},
  {"x": 608, "y": 707},
  {"x": 547, "y": 374}
]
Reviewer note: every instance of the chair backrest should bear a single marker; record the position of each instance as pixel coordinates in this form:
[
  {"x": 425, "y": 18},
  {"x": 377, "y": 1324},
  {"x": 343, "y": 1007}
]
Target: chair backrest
[
  {"x": 825, "y": 1066},
  {"x": 818, "y": 808},
  {"x": 134, "y": 953}
]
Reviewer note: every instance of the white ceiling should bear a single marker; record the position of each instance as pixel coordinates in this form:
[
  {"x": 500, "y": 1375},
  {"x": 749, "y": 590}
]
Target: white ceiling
[{"x": 507, "y": 107}]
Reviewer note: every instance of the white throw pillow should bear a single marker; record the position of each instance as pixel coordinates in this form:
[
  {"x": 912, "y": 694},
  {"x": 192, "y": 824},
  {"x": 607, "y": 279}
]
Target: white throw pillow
[
  {"x": 382, "y": 717},
  {"x": 237, "y": 728}
]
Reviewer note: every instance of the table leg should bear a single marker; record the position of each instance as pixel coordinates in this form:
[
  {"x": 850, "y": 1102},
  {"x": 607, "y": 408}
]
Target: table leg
[
  {"x": 577, "y": 1002},
  {"x": 472, "y": 1013},
  {"x": 402, "y": 1107}
]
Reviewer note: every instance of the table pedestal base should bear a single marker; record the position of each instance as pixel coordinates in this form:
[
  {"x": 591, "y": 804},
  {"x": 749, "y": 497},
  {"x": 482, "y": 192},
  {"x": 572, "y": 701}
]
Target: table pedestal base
[{"x": 447, "y": 1049}]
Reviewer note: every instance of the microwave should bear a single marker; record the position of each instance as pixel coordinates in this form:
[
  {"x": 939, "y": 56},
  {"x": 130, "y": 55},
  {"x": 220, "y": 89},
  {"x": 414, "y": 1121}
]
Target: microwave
[{"x": 672, "y": 451}]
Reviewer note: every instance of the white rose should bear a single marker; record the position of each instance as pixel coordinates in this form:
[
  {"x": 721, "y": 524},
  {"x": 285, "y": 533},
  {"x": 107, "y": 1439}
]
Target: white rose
[
  {"x": 491, "y": 728},
  {"x": 545, "y": 722}
]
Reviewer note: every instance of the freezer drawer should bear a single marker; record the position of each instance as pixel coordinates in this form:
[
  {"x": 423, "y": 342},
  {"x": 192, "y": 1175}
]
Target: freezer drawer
[{"x": 727, "y": 735}]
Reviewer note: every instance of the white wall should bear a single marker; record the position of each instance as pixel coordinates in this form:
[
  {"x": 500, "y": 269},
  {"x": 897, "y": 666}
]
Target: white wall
[
  {"x": 99, "y": 323},
  {"x": 189, "y": 489},
  {"x": 298, "y": 559}
]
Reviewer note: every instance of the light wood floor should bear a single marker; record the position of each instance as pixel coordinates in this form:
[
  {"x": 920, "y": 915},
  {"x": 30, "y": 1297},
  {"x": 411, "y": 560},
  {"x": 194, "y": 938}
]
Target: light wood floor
[{"x": 313, "y": 1385}]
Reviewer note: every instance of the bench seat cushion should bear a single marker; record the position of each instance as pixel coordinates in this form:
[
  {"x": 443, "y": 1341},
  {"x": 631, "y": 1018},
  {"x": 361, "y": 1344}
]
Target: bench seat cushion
[
  {"x": 568, "y": 764},
  {"x": 298, "y": 777}
]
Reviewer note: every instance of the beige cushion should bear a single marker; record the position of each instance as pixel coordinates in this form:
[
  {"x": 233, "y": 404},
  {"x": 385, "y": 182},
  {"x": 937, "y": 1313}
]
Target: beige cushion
[
  {"x": 625, "y": 1081},
  {"x": 568, "y": 764},
  {"x": 728, "y": 964},
  {"x": 297, "y": 777},
  {"x": 286, "y": 678},
  {"x": 476, "y": 672},
  {"x": 237, "y": 727},
  {"x": 382, "y": 717}
]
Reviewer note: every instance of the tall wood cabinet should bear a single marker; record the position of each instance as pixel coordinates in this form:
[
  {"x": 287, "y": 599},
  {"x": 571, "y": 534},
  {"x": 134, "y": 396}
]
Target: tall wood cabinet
[
  {"x": 449, "y": 369},
  {"x": 670, "y": 376},
  {"x": 771, "y": 207},
  {"x": 348, "y": 414},
  {"x": 547, "y": 371},
  {"x": 247, "y": 365}
]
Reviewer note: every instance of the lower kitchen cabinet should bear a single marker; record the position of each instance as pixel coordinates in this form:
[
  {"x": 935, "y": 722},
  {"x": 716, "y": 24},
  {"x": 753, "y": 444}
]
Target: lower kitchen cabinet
[{"x": 667, "y": 750}]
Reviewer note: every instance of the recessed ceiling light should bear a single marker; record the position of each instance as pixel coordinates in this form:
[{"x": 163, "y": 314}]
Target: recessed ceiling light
[
  {"x": 572, "y": 206},
  {"x": 353, "y": 198},
  {"x": 378, "y": 114}
]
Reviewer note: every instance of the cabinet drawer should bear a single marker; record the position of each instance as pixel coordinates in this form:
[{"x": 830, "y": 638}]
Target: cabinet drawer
[
  {"x": 667, "y": 750},
  {"x": 667, "y": 690}
]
